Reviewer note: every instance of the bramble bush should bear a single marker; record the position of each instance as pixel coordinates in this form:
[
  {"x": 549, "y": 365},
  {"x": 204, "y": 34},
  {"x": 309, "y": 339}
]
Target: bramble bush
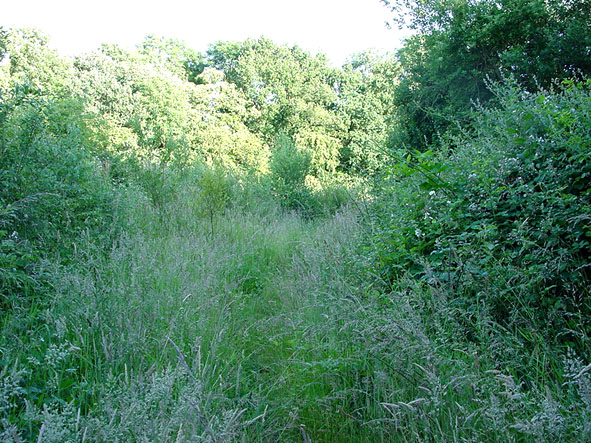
[
  {"x": 502, "y": 217},
  {"x": 52, "y": 190}
]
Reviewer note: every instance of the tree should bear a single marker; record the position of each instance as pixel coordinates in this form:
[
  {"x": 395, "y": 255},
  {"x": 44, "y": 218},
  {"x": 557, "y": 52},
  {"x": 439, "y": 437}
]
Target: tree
[
  {"x": 219, "y": 131},
  {"x": 146, "y": 108},
  {"x": 173, "y": 54},
  {"x": 366, "y": 86},
  {"x": 33, "y": 64},
  {"x": 142, "y": 108},
  {"x": 289, "y": 91},
  {"x": 463, "y": 44}
]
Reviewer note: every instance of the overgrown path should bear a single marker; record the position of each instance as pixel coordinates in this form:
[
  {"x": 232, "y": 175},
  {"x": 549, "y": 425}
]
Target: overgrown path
[
  {"x": 243, "y": 332},
  {"x": 273, "y": 328}
]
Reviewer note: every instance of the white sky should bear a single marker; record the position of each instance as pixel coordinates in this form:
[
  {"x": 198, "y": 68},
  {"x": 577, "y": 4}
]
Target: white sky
[{"x": 337, "y": 28}]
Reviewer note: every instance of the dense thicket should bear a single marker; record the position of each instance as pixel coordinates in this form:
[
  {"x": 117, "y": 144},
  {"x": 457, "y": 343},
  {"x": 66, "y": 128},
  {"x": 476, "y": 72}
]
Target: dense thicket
[
  {"x": 501, "y": 217},
  {"x": 53, "y": 188},
  {"x": 493, "y": 131}
]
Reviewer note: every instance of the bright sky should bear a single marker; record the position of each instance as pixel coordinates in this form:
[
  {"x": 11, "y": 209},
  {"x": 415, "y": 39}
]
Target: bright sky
[{"x": 337, "y": 28}]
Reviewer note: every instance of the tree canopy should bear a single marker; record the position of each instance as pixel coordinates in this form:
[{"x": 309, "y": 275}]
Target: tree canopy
[{"x": 462, "y": 46}]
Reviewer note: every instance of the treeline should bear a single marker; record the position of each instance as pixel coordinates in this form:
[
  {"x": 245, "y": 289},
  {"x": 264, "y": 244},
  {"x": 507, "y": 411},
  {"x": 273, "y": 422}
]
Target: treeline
[
  {"x": 76, "y": 131},
  {"x": 167, "y": 103}
]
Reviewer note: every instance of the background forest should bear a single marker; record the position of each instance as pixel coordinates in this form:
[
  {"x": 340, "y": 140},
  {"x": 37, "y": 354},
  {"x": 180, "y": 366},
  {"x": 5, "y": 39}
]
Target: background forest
[{"x": 250, "y": 244}]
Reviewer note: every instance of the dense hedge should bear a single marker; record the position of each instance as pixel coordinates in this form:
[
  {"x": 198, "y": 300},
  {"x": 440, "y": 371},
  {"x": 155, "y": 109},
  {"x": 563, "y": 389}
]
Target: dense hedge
[{"x": 502, "y": 217}]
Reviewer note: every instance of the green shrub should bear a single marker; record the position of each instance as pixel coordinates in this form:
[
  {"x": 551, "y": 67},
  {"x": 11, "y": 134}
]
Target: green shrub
[
  {"x": 159, "y": 181},
  {"x": 214, "y": 194},
  {"x": 332, "y": 197},
  {"x": 289, "y": 168},
  {"x": 503, "y": 217},
  {"x": 52, "y": 190}
]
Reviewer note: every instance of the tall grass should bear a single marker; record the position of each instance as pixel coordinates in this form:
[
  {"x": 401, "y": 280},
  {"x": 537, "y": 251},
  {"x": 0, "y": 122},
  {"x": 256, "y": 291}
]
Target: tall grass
[{"x": 268, "y": 327}]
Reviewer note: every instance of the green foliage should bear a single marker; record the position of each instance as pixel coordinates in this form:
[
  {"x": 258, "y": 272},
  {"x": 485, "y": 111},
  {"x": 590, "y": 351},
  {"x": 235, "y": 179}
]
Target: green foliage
[
  {"x": 175, "y": 56},
  {"x": 296, "y": 189},
  {"x": 275, "y": 317},
  {"x": 52, "y": 189},
  {"x": 323, "y": 151},
  {"x": 33, "y": 64},
  {"x": 289, "y": 167},
  {"x": 331, "y": 195},
  {"x": 213, "y": 195},
  {"x": 366, "y": 87},
  {"x": 288, "y": 91},
  {"x": 147, "y": 295},
  {"x": 461, "y": 45},
  {"x": 503, "y": 218},
  {"x": 144, "y": 110},
  {"x": 340, "y": 116},
  {"x": 159, "y": 182},
  {"x": 220, "y": 133}
]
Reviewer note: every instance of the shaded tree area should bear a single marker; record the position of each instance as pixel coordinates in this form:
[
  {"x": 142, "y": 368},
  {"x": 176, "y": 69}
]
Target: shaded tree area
[{"x": 462, "y": 46}]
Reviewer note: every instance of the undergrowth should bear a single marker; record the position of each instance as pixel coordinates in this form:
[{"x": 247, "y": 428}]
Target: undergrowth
[{"x": 271, "y": 327}]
